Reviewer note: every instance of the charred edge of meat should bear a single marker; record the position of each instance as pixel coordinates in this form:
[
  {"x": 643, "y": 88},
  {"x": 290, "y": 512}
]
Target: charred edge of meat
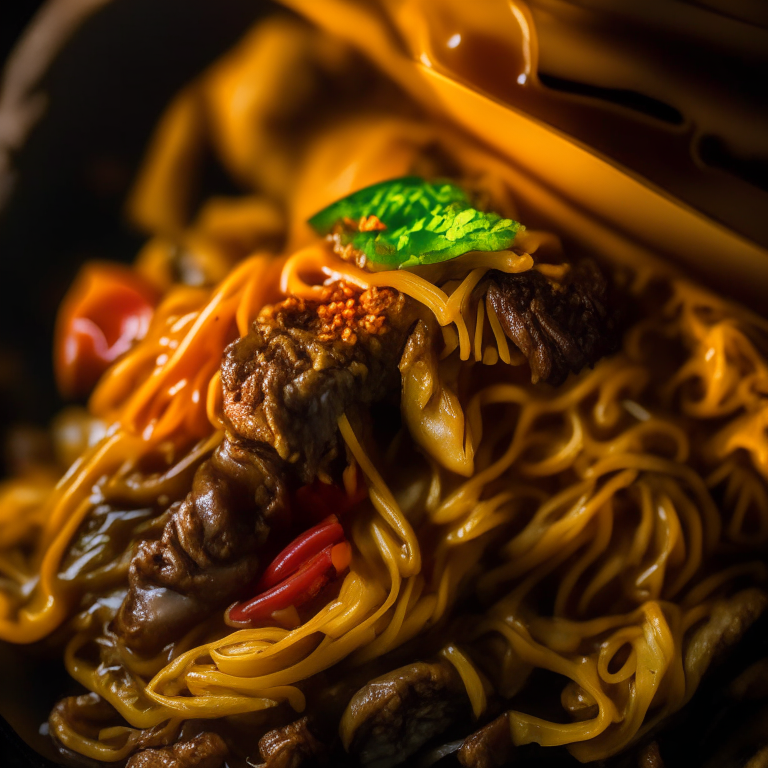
[
  {"x": 207, "y": 750},
  {"x": 489, "y": 747},
  {"x": 208, "y": 552},
  {"x": 292, "y": 746},
  {"x": 559, "y": 326},
  {"x": 394, "y": 715},
  {"x": 304, "y": 363},
  {"x": 285, "y": 386}
]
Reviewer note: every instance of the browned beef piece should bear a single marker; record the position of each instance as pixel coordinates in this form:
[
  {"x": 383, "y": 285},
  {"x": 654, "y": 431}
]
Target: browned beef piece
[
  {"x": 285, "y": 386},
  {"x": 489, "y": 747},
  {"x": 394, "y": 715},
  {"x": 559, "y": 326},
  {"x": 649, "y": 756},
  {"x": 207, "y": 750},
  {"x": 292, "y": 746},
  {"x": 709, "y": 644},
  {"x": 305, "y": 363},
  {"x": 209, "y": 550}
]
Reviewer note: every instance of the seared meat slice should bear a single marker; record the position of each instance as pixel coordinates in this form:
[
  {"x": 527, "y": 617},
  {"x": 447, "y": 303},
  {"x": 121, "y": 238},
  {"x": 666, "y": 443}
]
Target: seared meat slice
[
  {"x": 207, "y": 750},
  {"x": 292, "y": 746},
  {"x": 304, "y": 363},
  {"x": 559, "y": 326},
  {"x": 285, "y": 386},
  {"x": 208, "y": 552},
  {"x": 490, "y": 747},
  {"x": 392, "y": 716}
]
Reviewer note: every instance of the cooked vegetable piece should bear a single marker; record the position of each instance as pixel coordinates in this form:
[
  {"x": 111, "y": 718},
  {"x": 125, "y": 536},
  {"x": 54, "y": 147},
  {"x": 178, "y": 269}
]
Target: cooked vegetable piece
[
  {"x": 296, "y": 590},
  {"x": 319, "y": 500},
  {"x": 408, "y": 221},
  {"x": 300, "y": 550},
  {"x": 108, "y": 308}
]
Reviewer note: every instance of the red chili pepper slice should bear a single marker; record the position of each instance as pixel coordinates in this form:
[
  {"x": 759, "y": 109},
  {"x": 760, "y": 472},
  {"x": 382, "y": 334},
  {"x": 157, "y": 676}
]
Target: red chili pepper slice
[
  {"x": 107, "y": 309},
  {"x": 341, "y": 557},
  {"x": 298, "y": 589},
  {"x": 300, "y": 550},
  {"x": 310, "y": 561}
]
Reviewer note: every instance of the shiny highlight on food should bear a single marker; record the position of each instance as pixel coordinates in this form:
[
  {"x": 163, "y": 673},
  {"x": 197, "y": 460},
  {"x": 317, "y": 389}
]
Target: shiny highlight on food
[{"x": 316, "y": 506}]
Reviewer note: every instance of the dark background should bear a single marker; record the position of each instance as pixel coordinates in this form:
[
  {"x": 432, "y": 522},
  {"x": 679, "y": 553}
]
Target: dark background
[
  {"x": 106, "y": 91},
  {"x": 13, "y": 18}
]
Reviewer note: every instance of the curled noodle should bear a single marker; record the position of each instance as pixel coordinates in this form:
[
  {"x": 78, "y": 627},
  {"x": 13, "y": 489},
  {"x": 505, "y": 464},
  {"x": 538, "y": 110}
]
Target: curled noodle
[{"x": 591, "y": 531}]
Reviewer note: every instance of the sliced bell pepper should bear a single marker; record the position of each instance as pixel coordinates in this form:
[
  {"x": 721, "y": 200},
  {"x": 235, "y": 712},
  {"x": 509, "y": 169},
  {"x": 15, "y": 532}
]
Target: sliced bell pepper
[
  {"x": 297, "y": 589},
  {"x": 300, "y": 550}
]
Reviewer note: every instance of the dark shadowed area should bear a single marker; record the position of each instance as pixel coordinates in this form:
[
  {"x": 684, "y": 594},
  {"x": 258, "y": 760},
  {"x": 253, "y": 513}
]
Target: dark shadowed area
[{"x": 106, "y": 91}]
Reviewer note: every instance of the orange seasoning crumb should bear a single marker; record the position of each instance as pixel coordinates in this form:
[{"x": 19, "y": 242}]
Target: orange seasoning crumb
[
  {"x": 371, "y": 224},
  {"x": 342, "y": 313},
  {"x": 345, "y": 226}
]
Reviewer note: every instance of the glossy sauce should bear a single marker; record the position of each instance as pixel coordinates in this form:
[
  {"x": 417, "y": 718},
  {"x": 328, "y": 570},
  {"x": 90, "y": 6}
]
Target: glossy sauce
[{"x": 675, "y": 93}]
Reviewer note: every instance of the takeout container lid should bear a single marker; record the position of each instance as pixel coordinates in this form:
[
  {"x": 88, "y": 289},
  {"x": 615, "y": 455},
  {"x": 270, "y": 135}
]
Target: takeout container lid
[{"x": 584, "y": 195}]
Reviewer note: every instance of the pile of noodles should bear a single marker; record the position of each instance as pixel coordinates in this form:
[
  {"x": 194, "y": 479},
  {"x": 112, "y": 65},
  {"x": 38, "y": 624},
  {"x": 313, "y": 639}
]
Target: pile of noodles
[{"x": 602, "y": 523}]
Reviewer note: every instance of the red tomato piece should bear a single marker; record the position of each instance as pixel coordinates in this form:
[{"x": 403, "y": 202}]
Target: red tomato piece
[{"x": 108, "y": 309}]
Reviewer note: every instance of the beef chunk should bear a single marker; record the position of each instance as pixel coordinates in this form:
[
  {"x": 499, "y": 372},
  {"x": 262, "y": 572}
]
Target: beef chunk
[
  {"x": 559, "y": 325},
  {"x": 649, "y": 756},
  {"x": 292, "y": 746},
  {"x": 304, "y": 363},
  {"x": 489, "y": 747},
  {"x": 209, "y": 549},
  {"x": 207, "y": 750},
  {"x": 285, "y": 386},
  {"x": 710, "y": 643},
  {"x": 392, "y": 716}
]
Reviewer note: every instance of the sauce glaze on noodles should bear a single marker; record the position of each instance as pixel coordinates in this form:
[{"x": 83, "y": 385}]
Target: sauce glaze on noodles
[{"x": 601, "y": 523}]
